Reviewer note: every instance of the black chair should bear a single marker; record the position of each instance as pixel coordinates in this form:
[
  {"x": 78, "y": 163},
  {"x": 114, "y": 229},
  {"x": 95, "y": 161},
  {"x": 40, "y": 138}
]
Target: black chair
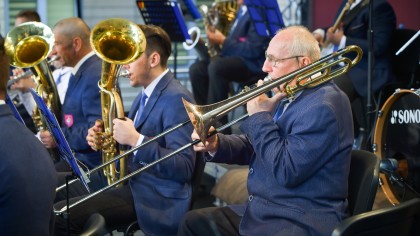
[
  {"x": 363, "y": 181},
  {"x": 95, "y": 226},
  {"x": 401, "y": 220}
]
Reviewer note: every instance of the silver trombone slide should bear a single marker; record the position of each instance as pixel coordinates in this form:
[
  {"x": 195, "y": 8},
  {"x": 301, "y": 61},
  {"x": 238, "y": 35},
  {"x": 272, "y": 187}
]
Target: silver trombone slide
[
  {"x": 127, "y": 152},
  {"x": 64, "y": 209}
]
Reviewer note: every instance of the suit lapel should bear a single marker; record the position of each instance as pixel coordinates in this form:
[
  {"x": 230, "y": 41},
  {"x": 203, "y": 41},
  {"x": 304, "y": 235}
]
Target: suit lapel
[
  {"x": 153, "y": 98},
  {"x": 134, "y": 106},
  {"x": 76, "y": 78}
]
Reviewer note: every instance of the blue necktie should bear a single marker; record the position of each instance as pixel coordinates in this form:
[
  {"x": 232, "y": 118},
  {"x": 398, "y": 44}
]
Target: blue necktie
[
  {"x": 59, "y": 77},
  {"x": 141, "y": 107},
  {"x": 279, "y": 110}
]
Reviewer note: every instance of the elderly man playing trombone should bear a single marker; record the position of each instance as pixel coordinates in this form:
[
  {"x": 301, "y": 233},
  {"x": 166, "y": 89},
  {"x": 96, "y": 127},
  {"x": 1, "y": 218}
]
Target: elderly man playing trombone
[
  {"x": 159, "y": 197},
  {"x": 298, "y": 159}
]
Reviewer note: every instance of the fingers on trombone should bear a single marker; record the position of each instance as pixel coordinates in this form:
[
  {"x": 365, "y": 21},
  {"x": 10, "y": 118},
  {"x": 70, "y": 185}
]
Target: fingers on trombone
[{"x": 279, "y": 96}]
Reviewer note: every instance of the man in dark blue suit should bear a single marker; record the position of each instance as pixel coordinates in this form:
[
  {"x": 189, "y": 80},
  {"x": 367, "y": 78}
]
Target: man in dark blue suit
[
  {"x": 240, "y": 60},
  {"x": 298, "y": 163},
  {"x": 28, "y": 179},
  {"x": 82, "y": 104},
  {"x": 160, "y": 196},
  {"x": 354, "y": 31}
]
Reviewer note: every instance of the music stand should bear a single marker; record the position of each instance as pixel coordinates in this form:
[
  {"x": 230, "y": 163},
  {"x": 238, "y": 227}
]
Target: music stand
[
  {"x": 57, "y": 133},
  {"x": 63, "y": 148},
  {"x": 192, "y": 9},
  {"x": 14, "y": 110},
  {"x": 167, "y": 15},
  {"x": 266, "y": 16}
]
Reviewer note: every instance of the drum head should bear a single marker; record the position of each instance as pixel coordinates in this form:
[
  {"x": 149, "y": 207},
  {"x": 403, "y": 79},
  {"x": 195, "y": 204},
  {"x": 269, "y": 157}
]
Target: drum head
[{"x": 397, "y": 136}]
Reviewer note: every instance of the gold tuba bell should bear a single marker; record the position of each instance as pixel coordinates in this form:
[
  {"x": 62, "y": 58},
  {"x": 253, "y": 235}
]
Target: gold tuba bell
[
  {"x": 28, "y": 45},
  {"x": 117, "y": 42},
  {"x": 220, "y": 16}
]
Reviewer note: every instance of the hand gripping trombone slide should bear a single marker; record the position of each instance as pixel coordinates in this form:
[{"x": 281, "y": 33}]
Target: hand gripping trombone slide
[{"x": 203, "y": 117}]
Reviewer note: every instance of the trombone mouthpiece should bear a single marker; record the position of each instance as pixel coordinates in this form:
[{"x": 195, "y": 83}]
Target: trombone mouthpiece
[
  {"x": 125, "y": 73},
  {"x": 267, "y": 78},
  {"x": 53, "y": 59}
]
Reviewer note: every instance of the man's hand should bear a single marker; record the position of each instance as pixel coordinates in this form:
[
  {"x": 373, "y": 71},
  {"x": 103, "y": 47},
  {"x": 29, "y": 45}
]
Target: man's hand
[
  {"x": 263, "y": 102},
  {"x": 47, "y": 139},
  {"x": 91, "y": 137},
  {"x": 23, "y": 84},
  {"x": 335, "y": 37},
  {"x": 215, "y": 37},
  {"x": 125, "y": 132},
  {"x": 212, "y": 143}
]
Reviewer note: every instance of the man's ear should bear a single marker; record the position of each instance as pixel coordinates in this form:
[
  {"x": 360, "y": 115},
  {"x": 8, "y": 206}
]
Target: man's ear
[
  {"x": 77, "y": 44},
  {"x": 154, "y": 59},
  {"x": 305, "y": 61}
]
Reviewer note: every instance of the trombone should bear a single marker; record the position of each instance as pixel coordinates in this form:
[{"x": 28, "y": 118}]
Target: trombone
[{"x": 203, "y": 117}]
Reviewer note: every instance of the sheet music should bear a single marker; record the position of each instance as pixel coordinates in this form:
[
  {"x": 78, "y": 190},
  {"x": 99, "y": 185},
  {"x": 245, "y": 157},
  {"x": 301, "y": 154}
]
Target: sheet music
[{"x": 167, "y": 15}]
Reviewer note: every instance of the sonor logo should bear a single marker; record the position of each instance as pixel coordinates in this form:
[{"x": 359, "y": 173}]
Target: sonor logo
[{"x": 405, "y": 116}]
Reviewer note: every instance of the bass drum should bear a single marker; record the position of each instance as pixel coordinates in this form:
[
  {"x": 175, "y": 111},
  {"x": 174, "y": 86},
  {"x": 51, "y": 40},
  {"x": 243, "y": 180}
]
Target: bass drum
[{"x": 397, "y": 135}]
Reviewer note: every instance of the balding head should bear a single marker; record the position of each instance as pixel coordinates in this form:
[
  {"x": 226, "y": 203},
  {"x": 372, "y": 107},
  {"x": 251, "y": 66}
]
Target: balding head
[
  {"x": 73, "y": 27},
  {"x": 72, "y": 34},
  {"x": 298, "y": 40}
]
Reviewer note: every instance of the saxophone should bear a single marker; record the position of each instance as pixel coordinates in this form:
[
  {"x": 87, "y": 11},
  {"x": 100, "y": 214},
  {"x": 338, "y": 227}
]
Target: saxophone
[
  {"x": 117, "y": 42},
  {"x": 28, "y": 45}
]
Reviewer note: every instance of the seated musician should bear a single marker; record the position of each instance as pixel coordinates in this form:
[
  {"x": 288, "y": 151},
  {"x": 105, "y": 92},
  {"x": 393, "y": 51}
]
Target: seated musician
[
  {"x": 159, "y": 197},
  {"x": 298, "y": 152},
  {"x": 353, "y": 30},
  {"x": 240, "y": 59},
  {"x": 28, "y": 179},
  {"x": 82, "y": 106}
]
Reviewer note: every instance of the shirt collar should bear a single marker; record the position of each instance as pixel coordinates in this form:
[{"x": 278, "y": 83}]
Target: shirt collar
[
  {"x": 355, "y": 3},
  {"x": 149, "y": 89},
  {"x": 77, "y": 66}
]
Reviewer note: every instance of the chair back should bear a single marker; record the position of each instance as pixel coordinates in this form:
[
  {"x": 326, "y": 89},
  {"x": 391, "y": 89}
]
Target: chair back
[
  {"x": 401, "y": 220},
  {"x": 363, "y": 181}
]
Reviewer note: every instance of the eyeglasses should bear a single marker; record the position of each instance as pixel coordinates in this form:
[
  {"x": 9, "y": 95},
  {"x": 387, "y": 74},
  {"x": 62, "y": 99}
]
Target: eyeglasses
[{"x": 273, "y": 60}]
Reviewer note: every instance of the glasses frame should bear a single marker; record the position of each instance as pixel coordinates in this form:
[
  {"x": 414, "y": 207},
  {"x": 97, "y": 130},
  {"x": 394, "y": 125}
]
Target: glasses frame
[{"x": 274, "y": 61}]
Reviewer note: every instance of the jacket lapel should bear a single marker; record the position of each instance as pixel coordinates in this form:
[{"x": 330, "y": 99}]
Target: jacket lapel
[
  {"x": 76, "y": 78},
  {"x": 153, "y": 98}
]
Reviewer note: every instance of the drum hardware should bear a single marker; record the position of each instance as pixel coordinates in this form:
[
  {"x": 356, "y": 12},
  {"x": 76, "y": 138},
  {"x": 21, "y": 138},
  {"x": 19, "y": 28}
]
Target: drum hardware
[{"x": 203, "y": 117}]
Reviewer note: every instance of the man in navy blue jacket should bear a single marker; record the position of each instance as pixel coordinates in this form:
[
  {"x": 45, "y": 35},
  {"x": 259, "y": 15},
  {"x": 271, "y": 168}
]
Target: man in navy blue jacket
[
  {"x": 28, "y": 179},
  {"x": 298, "y": 163},
  {"x": 82, "y": 104},
  {"x": 159, "y": 197}
]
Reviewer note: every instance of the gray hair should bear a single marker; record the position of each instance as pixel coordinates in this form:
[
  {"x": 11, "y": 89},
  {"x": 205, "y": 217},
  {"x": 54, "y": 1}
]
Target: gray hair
[{"x": 302, "y": 42}]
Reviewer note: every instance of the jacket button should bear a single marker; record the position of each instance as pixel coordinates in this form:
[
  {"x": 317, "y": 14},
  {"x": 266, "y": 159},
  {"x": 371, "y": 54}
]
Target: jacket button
[
  {"x": 250, "y": 198},
  {"x": 251, "y": 171}
]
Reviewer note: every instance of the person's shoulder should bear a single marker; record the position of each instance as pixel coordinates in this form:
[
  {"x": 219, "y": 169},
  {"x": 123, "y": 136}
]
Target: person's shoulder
[{"x": 175, "y": 90}]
